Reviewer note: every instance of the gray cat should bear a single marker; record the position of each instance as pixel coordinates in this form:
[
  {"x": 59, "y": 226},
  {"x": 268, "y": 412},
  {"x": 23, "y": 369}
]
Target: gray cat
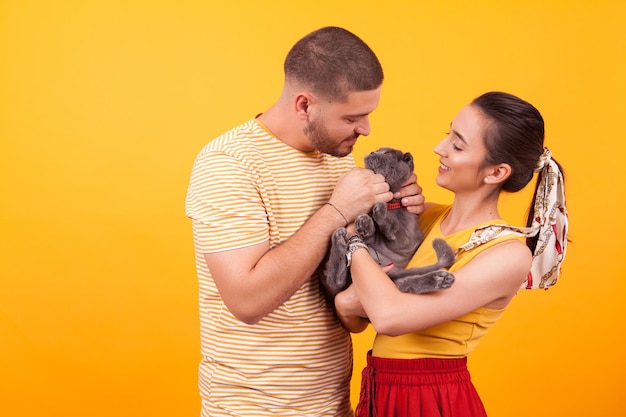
[{"x": 392, "y": 234}]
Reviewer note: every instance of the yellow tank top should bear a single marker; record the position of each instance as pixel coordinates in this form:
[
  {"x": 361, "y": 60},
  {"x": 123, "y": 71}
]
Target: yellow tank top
[{"x": 456, "y": 338}]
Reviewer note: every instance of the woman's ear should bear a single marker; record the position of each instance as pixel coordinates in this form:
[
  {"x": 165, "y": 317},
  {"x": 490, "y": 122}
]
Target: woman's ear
[{"x": 498, "y": 174}]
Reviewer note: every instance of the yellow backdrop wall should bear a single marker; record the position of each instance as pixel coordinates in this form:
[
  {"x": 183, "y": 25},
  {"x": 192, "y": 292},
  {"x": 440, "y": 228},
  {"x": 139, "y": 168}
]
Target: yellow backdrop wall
[{"x": 104, "y": 105}]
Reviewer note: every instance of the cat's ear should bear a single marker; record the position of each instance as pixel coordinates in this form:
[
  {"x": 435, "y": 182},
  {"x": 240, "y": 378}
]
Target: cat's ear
[{"x": 408, "y": 158}]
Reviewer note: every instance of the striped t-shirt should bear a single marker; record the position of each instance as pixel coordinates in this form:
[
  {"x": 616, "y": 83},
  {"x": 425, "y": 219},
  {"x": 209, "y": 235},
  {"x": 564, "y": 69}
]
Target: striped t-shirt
[{"x": 248, "y": 187}]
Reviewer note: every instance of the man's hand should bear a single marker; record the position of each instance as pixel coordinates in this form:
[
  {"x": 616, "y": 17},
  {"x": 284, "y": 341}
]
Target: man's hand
[
  {"x": 350, "y": 311},
  {"x": 411, "y": 195},
  {"x": 357, "y": 191}
]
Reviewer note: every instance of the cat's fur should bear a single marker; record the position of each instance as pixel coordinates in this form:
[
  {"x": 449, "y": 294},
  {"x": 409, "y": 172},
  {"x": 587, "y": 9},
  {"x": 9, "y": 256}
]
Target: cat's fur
[{"x": 392, "y": 236}]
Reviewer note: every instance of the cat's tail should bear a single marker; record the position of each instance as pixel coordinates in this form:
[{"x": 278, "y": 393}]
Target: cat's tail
[
  {"x": 445, "y": 259},
  {"x": 445, "y": 254}
]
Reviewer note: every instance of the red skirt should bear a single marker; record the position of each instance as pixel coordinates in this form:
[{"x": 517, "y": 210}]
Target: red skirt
[{"x": 418, "y": 388}]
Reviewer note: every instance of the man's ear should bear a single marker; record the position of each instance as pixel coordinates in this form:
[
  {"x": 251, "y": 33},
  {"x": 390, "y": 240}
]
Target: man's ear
[
  {"x": 302, "y": 104},
  {"x": 498, "y": 174}
]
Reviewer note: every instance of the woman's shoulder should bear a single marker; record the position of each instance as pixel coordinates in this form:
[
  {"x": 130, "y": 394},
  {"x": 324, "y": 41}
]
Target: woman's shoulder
[
  {"x": 435, "y": 208},
  {"x": 433, "y": 212}
]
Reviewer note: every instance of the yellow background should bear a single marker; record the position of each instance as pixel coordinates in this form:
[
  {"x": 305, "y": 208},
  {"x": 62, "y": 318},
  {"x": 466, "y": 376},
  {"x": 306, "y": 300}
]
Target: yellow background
[{"x": 104, "y": 105}]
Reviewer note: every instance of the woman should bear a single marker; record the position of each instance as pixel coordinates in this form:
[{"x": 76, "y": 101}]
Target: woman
[{"x": 417, "y": 366}]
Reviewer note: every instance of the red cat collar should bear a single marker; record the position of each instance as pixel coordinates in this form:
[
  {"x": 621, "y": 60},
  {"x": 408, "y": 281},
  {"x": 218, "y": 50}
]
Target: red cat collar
[{"x": 394, "y": 205}]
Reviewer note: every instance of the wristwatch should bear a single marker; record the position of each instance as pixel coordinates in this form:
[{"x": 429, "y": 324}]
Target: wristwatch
[{"x": 354, "y": 243}]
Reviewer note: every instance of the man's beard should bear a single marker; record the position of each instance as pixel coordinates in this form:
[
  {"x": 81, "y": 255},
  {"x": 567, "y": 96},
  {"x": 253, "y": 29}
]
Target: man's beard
[{"x": 321, "y": 140}]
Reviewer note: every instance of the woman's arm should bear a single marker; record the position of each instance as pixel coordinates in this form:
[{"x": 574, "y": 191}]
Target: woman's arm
[
  {"x": 349, "y": 308},
  {"x": 489, "y": 280}
]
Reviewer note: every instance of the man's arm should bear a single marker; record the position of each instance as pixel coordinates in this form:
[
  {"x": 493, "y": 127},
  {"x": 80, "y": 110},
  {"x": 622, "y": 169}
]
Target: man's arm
[{"x": 255, "y": 280}]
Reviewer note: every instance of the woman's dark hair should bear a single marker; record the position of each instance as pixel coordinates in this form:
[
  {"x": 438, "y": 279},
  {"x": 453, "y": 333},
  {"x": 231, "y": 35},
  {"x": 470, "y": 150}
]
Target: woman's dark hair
[
  {"x": 514, "y": 136},
  {"x": 333, "y": 62}
]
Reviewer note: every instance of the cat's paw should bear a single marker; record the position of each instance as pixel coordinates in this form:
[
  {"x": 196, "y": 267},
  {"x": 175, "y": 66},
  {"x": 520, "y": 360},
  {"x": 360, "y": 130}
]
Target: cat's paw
[
  {"x": 387, "y": 223},
  {"x": 335, "y": 273},
  {"x": 432, "y": 281},
  {"x": 340, "y": 237},
  {"x": 364, "y": 226},
  {"x": 442, "y": 280},
  {"x": 379, "y": 211}
]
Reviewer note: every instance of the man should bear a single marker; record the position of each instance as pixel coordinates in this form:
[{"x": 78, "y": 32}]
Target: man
[{"x": 264, "y": 199}]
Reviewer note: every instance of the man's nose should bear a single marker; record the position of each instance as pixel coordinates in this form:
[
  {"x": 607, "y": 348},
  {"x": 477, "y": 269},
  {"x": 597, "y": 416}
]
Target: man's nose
[{"x": 364, "y": 127}]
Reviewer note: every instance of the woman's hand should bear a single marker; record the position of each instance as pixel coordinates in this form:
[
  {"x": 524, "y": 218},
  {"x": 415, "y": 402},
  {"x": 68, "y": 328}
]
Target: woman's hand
[{"x": 411, "y": 195}]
